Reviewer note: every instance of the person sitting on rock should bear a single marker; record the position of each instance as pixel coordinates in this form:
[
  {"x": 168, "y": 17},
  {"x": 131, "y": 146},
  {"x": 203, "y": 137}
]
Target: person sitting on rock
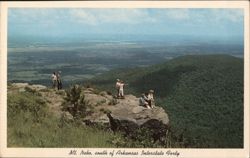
[
  {"x": 143, "y": 101},
  {"x": 117, "y": 86},
  {"x": 151, "y": 98}
]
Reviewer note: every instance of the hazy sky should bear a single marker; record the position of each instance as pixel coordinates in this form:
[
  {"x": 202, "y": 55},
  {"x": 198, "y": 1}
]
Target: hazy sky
[{"x": 54, "y": 22}]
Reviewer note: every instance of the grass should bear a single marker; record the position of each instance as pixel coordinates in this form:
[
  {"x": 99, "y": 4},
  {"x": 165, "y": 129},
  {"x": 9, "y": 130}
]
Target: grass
[
  {"x": 50, "y": 134},
  {"x": 30, "y": 124}
]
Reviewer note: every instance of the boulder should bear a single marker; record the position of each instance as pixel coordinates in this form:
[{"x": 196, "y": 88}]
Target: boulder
[
  {"x": 37, "y": 87},
  {"x": 126, "y": 115},
  {"x": 22, "y": 86}
]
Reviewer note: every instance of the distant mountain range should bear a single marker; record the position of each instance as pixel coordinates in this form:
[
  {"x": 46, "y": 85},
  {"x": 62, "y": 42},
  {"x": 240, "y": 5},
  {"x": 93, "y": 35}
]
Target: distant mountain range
[
  {"x": 20, "y": 40},
  {"x": 203, "y": 95}
]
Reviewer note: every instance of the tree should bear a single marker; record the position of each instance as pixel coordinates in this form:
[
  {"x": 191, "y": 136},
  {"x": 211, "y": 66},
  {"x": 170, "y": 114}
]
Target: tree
[{"x": 75, "y": 102}]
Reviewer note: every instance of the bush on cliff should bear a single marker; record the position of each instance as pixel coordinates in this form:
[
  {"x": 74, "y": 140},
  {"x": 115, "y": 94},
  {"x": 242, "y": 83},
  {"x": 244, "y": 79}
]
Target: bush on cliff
[{"x": 75, "y": 103}]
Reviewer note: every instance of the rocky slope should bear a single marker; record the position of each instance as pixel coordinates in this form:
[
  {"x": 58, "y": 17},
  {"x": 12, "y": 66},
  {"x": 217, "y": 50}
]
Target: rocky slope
[
  {"x": 125, "y": 114},
  {"x": 118, "y": 114},
  {"x": 53, "y": 98}
]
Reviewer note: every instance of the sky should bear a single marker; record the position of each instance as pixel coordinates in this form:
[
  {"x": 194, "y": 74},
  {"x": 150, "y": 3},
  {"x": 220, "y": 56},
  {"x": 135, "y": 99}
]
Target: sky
[{"x": 158, "y": 21}]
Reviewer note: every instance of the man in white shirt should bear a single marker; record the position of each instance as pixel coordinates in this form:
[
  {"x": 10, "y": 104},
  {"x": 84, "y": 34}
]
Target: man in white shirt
[
  {"x": 121, "y": 89},
  {"x": 151, "y": 98},
  {"x": 117, "y": 86},
  {"x": 54, "y": 80}
]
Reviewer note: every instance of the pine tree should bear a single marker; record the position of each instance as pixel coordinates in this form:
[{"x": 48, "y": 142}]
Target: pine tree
[{"x": 75, "y": 102}]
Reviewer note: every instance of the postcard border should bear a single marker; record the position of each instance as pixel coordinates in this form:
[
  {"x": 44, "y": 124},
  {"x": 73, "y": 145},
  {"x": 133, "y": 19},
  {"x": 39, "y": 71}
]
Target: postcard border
[{"x": 63, "y": 152}]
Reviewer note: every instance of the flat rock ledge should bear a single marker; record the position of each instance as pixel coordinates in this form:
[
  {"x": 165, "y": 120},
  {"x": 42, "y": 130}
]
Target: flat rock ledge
[{"x": 125, "y": 114}]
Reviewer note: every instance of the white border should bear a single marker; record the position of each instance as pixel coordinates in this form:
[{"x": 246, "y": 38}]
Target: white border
[{"x": 63, "y": 152}]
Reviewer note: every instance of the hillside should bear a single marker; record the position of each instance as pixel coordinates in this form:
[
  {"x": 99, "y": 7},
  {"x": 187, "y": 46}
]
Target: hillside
[
  {"x": 35, "y": 119},
  {"x": 39, "y": 116},
  {"x": 203, "y": 95}
]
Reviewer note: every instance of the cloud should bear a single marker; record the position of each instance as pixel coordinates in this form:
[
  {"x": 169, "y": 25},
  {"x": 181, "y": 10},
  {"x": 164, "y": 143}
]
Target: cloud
[
  {"x": 114, "y": 16},
  {"x": 132, "y": 16},
  {"x": 33, "y": 16},
  {"x": 221, "y": 15},
  {"x": 233, "y": 15},
  {"x": 202, "y": 15},
  {"x": 178, "y": 14},
  {"x": 124, "y": 16},
  {"x": 130, "y": 20},
  {"x": 82, "y": 16}
]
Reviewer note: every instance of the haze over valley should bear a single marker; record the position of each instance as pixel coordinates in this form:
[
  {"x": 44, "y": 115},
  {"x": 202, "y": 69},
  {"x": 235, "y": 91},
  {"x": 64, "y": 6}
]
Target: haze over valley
[
  {"x": 85, "y": 42},
  {"x": 81, "y": 58}
]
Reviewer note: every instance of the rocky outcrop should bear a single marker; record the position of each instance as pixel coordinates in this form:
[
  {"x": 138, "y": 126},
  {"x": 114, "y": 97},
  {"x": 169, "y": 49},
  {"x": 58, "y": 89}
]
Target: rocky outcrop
[
  {"x": 125, "y": 114},
  {"x": 52, "y": 97},
  {"x": 118, "y": 114},
  {"x": 25, "y": 86}
]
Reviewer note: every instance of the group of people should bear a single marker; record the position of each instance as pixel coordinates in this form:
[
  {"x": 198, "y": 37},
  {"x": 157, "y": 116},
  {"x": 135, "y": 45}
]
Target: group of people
[
  {"x": 146, "y": 99},
  {"x": 120, "y": 88},
  {"x": 56, "y": 80}
]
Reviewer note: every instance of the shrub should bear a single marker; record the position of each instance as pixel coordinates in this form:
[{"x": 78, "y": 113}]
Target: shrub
[
  {"x": 28, "y": 89},
  {"x": 60, "y": 92},
  {"x": 107, "y": 111},
  {"x": 87, "y": 85},
  {"x": 141, "y": 138},
  {"x": 75, "y": 102},
  {"x": 109, "y": 92}
]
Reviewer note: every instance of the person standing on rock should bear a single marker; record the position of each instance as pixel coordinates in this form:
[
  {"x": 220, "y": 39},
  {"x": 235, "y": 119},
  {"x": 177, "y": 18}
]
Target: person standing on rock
[
  {"x": 54, "y": 80},
  {"x": 151, "y": 98},
  {"x": 117, "y": 86},
  {"x": 121, "y": 89},
  {"x": 59, "y": 81}
]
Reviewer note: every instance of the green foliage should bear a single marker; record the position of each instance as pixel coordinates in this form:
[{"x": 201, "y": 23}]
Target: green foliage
[
  {"x": 28, "y": 89},
  {"x": 30, "y": 124},
  {"x": 75, "y": 102},
  {"x": 206, "y": 107},
  {"x": 27, "y": 103},
  {"x": 202, "y": 94},
  {"x": 62, "y": 93},
  {"x": 141, "y": 138},
  {"x": 105, "y": 111},
  {"x": 100, "y": 102},
  {"x": 88, "y": 85},
  {"x": 96, "y": 91}
]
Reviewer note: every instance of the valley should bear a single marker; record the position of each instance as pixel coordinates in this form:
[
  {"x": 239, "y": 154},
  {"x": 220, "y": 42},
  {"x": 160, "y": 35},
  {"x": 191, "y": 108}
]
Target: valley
[
  {"x": 199, "y": 84},
  {"x": 80, "y": 59}
]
